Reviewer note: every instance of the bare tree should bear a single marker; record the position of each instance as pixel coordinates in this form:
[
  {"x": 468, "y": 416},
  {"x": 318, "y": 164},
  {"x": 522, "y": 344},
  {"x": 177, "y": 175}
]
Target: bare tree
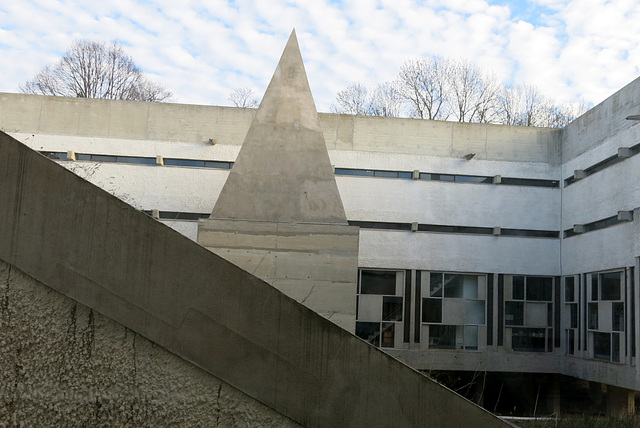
[
  {"x": 386, "y": 101},
  {"x": 352, "y": 100},
  {"x": 244, "y": 98},
  {"x": 92, "y": 69},
  {"x": 423, "y": 84},
  {"x": 473, "y": 93}
]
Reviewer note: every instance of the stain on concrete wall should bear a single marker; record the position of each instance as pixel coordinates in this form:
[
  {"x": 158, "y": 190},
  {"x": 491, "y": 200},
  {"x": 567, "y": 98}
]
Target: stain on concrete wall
[{"x": 63, "y": 364}]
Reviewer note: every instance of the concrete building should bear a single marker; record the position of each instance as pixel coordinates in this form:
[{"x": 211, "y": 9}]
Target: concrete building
[{"x": 482, "y": 248}]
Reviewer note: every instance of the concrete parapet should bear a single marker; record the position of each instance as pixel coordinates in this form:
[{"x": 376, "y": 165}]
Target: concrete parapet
[{"x": 142, "y": 274}]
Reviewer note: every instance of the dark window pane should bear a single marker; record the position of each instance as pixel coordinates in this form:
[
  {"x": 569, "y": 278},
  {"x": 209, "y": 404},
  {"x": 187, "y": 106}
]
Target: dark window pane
[
  {"x": 216, "y": 164},
  {"x": 539, "y": 288},
  {"x": 444, "y": 337},
  {"x": 518, "y": 287},
  {"x": 55, "y": 155},
  {"x": 442, "y": 177},
  {"x": 386, "y": 174},
  {"x": 514, "y": 313},
  {"x": 453, "y": 286},
  {"x": 569, "y": 290},
  {"x": 402, "y": 174},
  {"x": 615, "y": 347},
  {"x": 392, "y": 308},
  {"x": 378, "y": 282},
  {"x": 425, "y": 176},
  {"x": 610, "y": 285},
  {"x": 573, "y": 315},
  {"x": 388, "y": 335},
  {"x": 528, "y": 339},
  {"x": 618, "y": 316},
  {"x": 593, "y": 316},
  {"x": 347, "y": 171},
  {"x": 473, "y": 179},
  {"x": 594, "y": 288},
  {"x": 431, "y": 310},
  {"x": 369, "y": 331},
  {"x": 81, "y": 156},
  {"x": 103, "y": 158},
  {"x": 136, "y": 160},
  {"x": 184, "y": 162},
  {"x": 602, "y": 346},
  {"x": 435, "y": 285},
  {"x": 471, "y": 337},
  {"x": 571, "y": 342}
]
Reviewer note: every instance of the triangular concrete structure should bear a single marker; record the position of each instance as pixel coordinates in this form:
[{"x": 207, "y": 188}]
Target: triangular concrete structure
[
  {"x": 283, "y": 172},
  {"x": 279, "y": 215}
]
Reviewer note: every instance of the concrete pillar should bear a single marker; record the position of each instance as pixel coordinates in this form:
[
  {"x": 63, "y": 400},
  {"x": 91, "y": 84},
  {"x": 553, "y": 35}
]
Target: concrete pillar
[{"x": 620, "y": 402}]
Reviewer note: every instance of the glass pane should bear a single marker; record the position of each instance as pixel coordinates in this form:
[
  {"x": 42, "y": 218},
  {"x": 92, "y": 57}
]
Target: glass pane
[
  {"x": 569, "y": 290},
  {"x": 435, "y": 285},
  {"x": 593, "y": 316},
  {"x": 571, "y": 342},
  {"x": 518, "y": 287},
  {"x": 445, "y": 336},
  {"x": 369, "y": 331},
  {"x": 431, "y": 310},
  {"x": 388, "y": 335},
  {"x": 136, "y": 160},
  {"x": 539, "y": 288},
  {"x": 184, "y": 162},
  {"x": 471, "y": 337},
  {"x": 514, "y": 313},
  {"x": 453, "y": 286},
  {"x": 615, "y": 347},
  {"x": 618, "y": 316},
  {"x": 392, "y": 308},
  {"x": 378, "y": 282},
  {"x": 573, "y": 315},
  {"x": 388, "y": 174},
  {"x": 602, "y": 346},
  {"x": 594, "y": 288},
  {"x": 103, "y": 158},
  {"x": 217, "y": 164},
  {"x": 474, "y": 312},
  {"x": 470, "y": 286},
  {"x": 610, "y": 285},
  {"x": 528, "y": 339}
]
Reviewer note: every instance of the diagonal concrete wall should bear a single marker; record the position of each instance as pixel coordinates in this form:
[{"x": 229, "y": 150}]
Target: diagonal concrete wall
[
  {"x": 99, "y": 251},
  {"x": 63, "y": 364}
]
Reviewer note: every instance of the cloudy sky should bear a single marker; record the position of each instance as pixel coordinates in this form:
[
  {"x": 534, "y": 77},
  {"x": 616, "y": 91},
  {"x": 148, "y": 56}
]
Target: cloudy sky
[{"x": 202, "y": 49}]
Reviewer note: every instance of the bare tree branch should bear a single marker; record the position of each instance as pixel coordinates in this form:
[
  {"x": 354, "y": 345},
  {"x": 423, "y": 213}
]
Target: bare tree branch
[
  {"x": 244, "y": 98},
  {"x": 92, "y": 69}
]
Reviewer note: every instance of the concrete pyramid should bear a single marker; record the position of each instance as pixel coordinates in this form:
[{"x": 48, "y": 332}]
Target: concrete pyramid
[{"x": 283, "y": 172}]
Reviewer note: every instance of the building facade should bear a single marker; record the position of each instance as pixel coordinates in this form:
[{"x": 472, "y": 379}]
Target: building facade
[{"x": 482, "y": 248}]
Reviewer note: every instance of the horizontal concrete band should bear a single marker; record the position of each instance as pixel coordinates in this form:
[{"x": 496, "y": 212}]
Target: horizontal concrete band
[{"x": 94, "y": 248}]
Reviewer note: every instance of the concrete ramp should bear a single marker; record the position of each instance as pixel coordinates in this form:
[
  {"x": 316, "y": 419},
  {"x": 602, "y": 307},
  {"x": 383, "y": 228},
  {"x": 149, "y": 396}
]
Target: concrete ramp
[{"x": 95, "y": 249}]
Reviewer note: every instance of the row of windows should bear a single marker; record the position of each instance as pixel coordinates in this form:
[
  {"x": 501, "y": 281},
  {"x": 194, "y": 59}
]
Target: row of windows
[
  {"x": 621, "y": 217},
  {"x": 470, "y": 230},
  {"x": 623, "y": 153},
  {"x": 195, "y": 163},
  {"x": 455, "y": 311},
  {"x": 458, "y": 178}
]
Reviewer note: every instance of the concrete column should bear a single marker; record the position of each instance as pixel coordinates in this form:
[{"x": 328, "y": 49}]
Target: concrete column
[{"x": 620, "y": 402}]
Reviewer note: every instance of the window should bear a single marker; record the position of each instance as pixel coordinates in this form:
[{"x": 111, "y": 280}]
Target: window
[
  {"x": 606, "y": 317},
  {"x": 529, "y": 313},
  {"x": 453, "y": 310},
  {"x": 380, "y": 309}
]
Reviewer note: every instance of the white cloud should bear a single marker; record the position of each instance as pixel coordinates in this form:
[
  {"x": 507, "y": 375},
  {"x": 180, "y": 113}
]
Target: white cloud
[{"x": 203, "y": 49}]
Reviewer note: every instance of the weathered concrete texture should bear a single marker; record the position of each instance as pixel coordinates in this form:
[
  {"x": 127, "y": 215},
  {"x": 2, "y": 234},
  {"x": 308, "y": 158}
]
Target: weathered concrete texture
[
  {"x": 316, "y": 264},
  {"x": 602, "y": 122},
  {"x": 101, "y": 252},
  {"x": 228, "y": 126},
  {"x": 63, "y": 364},
  {"x": 283, "y": 172}
]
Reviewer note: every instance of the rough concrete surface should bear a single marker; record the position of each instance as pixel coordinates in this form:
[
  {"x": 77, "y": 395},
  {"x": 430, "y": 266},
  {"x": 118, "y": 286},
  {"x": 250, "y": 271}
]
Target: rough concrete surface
[
  {"x": 64, "y": 364},
  {"x": 101, "y": 252}
]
